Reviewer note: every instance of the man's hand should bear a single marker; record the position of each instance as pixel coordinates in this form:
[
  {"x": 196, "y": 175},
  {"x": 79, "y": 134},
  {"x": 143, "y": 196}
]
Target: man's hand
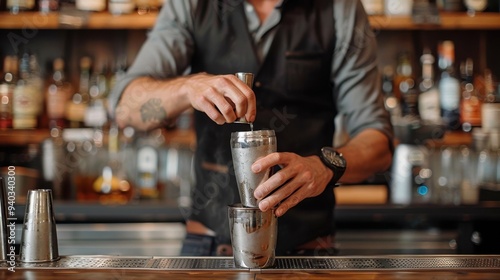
[
  {"x": 224, "y": 98},
  {"x": 299, "y": 178}
]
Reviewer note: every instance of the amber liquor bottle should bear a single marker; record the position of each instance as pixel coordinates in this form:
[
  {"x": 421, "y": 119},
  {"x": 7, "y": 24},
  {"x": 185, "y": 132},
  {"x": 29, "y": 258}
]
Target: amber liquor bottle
[
  {"x": 7, "y": 87},
  {"x": 470, "y": 106}
]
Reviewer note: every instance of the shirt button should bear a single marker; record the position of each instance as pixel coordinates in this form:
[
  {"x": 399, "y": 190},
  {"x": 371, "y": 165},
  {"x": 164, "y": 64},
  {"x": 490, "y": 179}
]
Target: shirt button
[{"x": 257, "y": 84}]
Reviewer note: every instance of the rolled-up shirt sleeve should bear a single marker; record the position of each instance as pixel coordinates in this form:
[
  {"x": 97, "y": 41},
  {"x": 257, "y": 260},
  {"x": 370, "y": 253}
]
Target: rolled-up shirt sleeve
[
  {"x": 355, "y": 73},
  {"x": 167, "y": 50}
]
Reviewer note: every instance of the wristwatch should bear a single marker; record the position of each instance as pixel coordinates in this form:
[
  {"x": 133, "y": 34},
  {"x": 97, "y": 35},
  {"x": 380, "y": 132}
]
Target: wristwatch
[{"x": 335, "y": 161}]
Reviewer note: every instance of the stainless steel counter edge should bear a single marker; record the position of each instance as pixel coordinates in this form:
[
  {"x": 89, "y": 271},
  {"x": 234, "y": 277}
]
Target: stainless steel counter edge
[{"x": 347, "y": 263}]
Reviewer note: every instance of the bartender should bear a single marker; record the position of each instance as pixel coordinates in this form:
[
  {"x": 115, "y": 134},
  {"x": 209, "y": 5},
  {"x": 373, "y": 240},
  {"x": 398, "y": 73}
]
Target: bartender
[{"x": 313, "y": 60}]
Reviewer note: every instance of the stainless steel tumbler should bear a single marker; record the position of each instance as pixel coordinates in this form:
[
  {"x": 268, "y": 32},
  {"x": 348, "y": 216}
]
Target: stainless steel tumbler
[
  {"x": 246, "y": 148},
  {"x": 253, "y": 236},
  {"x": 39, "y": 235},
  {"x": 3, "y": 222}
]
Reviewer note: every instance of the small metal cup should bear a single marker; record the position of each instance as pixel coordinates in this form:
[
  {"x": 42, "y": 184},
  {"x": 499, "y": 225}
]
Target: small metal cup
[
  {"x": 39, "y": 234},
  {"x": 3, "y": 222},
  {"x": 247, "y": 78},
  {"x": 246, "y": 148},
  {"x": 253, "y": 236}
]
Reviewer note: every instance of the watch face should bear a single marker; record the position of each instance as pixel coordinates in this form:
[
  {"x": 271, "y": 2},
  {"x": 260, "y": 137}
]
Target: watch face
[{"x": 334, "y": 157}]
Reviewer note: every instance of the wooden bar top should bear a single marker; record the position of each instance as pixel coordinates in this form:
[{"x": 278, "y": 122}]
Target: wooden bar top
[{"x": 126, "y": 274}]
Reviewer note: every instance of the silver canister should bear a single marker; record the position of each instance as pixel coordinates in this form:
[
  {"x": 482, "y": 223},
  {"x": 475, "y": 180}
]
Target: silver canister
[
  {"x": 39, "y": 234},
  {"x": 3, "y": 221},
  {"x": 246, "y": 148},
  {"x": 253, "y": 236}
]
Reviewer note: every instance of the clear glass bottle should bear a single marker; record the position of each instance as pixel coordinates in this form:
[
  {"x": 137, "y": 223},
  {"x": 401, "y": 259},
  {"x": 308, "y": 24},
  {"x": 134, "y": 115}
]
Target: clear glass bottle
[
  {"x": 119, "y": 7},
  {"x": 114, "y": 186},
  {"x": 96, "y": 112},
  {"x": 449, "y": 86},
  {"x": 148, "y": 182},
  {"x": 17, "y": 6},
  {"x": 403, "y": 80},
  {"x": 91, "y": 5},
  {"x": 27, "y": 97},
  {"x": 7, "y": 87},
  {"x": 405, "y": 84},
  {"x": 58, "y": 93},
  {"x": 47, "y": 6},
  {"x": 428, "y": 105},
  {"x": 77, "y": 105}
]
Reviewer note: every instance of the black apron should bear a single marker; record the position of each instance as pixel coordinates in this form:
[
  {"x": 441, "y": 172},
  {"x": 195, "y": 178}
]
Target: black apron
[{"x": 294, "y": 97}]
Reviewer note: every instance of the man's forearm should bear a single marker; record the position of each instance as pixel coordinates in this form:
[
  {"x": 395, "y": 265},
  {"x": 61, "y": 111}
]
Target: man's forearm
[
  {"x": 147, "y": 103},
  {"x": 366, "y": 154}
]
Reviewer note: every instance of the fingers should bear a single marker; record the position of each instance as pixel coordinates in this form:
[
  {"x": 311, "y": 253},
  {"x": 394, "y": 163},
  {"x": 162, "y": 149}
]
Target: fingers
[
  {"x": 248, "y": 105},
  {"x": 224, "y": 98},
  {"x": 296, "y": 181}
]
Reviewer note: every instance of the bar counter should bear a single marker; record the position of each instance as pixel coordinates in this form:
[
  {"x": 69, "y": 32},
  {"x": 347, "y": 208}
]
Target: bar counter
[{"x": 407, "y": 267}]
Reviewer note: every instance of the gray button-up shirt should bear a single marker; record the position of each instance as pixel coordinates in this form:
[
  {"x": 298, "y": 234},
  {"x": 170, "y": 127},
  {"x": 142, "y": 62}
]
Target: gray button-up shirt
[{"x": 169, "y": 47}]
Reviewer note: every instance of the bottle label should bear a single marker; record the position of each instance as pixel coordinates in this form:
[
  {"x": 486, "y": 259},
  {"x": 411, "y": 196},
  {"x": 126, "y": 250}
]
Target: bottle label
[
  {"x": 147, "y": 165},
  {"x": 449, "y": 89},
  {"x": 26, "y": 100},
  {"x": 57, "y": 99},
  {"x": 471, "y": 111},
  {"x": 428, "y": 105}
]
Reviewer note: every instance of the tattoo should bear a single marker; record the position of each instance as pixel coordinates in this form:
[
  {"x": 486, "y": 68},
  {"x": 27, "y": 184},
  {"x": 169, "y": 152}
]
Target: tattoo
[{"x": 152, "y": 111}]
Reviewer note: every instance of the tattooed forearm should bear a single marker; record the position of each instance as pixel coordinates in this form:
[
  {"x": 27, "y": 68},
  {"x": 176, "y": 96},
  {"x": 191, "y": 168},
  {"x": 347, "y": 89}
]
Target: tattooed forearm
[{"x": 152, "y": 111}]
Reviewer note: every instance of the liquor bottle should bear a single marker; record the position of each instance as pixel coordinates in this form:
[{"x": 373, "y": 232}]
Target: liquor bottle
[
  {"x": 392, "y": 104},
  {"x": 17, "y": 6},
  {"x": 91, "y": 5},
  {"x": 37, "y": 82},
  {"x": 404, "y": 85},
  {"x": 7, "y": 87},
  {"x": 27, "y": 97},
  {"x": 58, "y": 93},
  {"x": 428, "y": 103},
  {"x": 113, "y": 185},
  {"x": 489, "y": 89},
  {"x": 450, "y": 5},
  {"x": 77, "y": 105},
  {"x": 96, "y": 112},
  {"x": 47, "y": 6},
  {"x": 475, "y": 6},
  {"x": 119, "y": 7},
  {"x": 147, "y": 183},
  {"x": 470, "y": 105},
  {"x": 449, "y": 86}
]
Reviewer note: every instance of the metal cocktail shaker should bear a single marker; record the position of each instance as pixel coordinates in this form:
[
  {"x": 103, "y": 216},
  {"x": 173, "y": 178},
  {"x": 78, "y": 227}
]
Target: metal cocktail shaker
[
  {"x": 253, "y": 236},
  {"x": 39, "y": 234},
  {"x": 246, "y": 148},
  {"x": 3, "y": 222}
]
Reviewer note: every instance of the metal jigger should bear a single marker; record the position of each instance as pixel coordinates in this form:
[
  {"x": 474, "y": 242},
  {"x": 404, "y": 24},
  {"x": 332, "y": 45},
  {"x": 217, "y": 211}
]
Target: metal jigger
[
  {"x": 3, "y": 222},
  {"x": 247, "y": 78},
  {"x": 39, "y": 235},
  {"x": 246, "y": 148},
  {"x": 253, "y": 236}
]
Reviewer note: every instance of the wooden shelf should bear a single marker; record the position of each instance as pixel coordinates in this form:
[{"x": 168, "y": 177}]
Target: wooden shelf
[
  {"x": 105, "y": 20},
  {"x": 22, "y": 137},
  {"x": 449, "y": 21}
]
